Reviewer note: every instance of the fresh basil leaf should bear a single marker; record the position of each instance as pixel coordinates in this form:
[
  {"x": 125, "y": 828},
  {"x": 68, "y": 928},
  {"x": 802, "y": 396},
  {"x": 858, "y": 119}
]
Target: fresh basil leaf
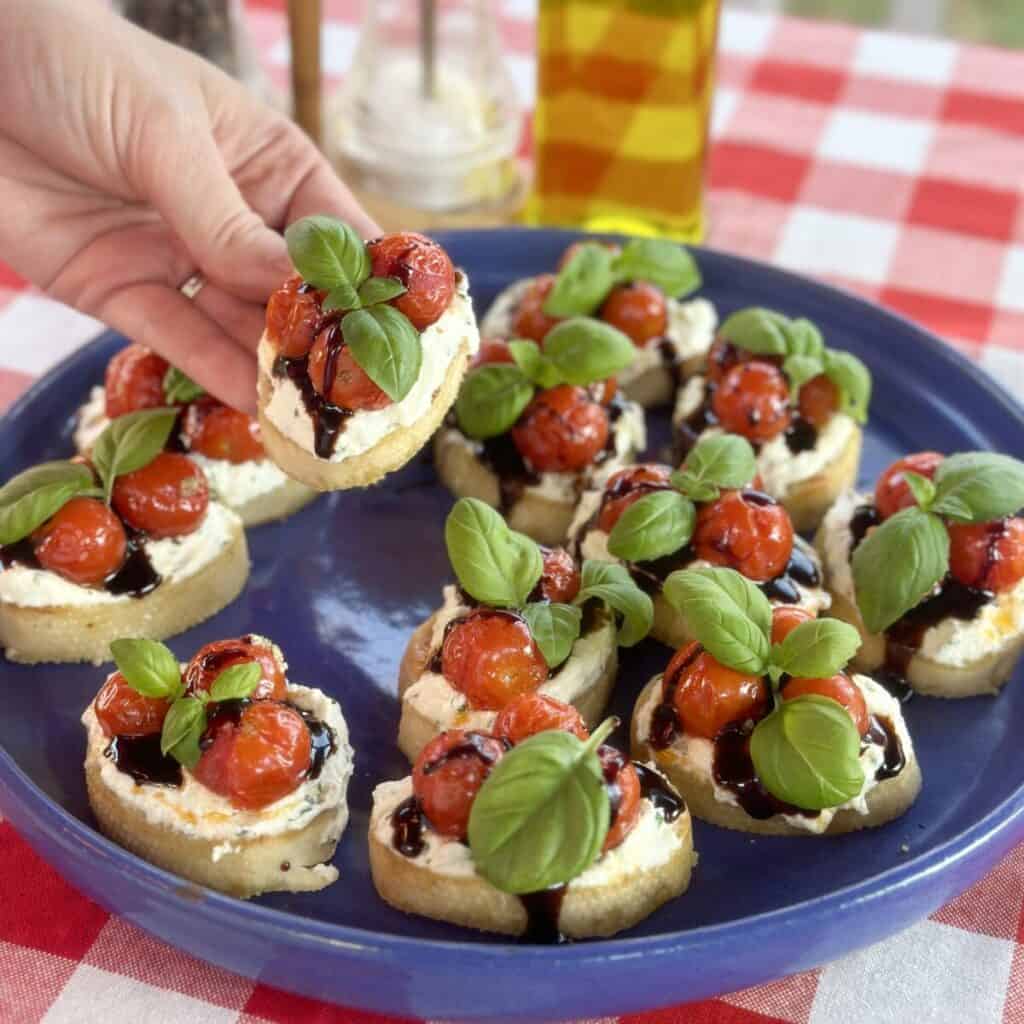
[
  {"x": 494, "y": 564},
  {"x": 655, "y": 525},
  {"x": 149, "y": 668},
  {"x": 532, "y": 361},
  {"x": 341, "y": 297},
  {"x": 805, "y": 339},
  {"x": 664, "y": 264},
  {"x": 611, "y": 583},
  {"x": 387, "y": 346},
  {"x": 693, "y": 488},
  {"x": 921, "y": 488},
  {"x": 582, "y": 283},
  {"x": 799, "y": 370},
  {"x": 978, "y": 487},
  {"x": 180, "y": 388},
  {"x": 853, "y": 381},
  {"x": 807, "y": 753},
  {"x": 724, "y": 460},
  {"x": 897, "y": 564},
  {"x": 541, "y": 817},
  {"x": 30, "y": 498},
  {"x": 327, "y": 252},
  {"x": 816, "y": 649},
  {"x": 585, "y": 350},
  {"x": 555, "y": 628},
  {"x": 182, "y": 731},
  {"x": 727, "y": 613},
  {"x": 380, "y": 289},
  {"x": 237, "y": 681},
  {"x": 131, "y": 442},
  {"x": 761, "y": 331},
  {"x": 491, "y": 400}
]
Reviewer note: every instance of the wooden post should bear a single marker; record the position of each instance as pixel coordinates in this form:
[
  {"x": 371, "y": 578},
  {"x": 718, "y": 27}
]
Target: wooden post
[{"x": 304, "y": 29}]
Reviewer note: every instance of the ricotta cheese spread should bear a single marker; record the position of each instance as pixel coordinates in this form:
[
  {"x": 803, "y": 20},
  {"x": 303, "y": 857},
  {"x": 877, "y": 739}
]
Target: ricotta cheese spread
[
  {"x": 91, "y": 421},
  {"x": 174, "y": 558},
  {"x": 441, "y": 343}
]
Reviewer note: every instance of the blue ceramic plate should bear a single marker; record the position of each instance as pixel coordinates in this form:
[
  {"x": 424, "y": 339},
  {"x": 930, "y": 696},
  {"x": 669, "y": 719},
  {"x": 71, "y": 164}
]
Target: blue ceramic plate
[{"x": 341, "y": 586}]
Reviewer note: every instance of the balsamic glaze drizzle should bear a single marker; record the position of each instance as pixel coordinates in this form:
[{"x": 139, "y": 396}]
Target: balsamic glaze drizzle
[
  {"x": 328, "y": 420},
  {"x": 407, "y": 828}
]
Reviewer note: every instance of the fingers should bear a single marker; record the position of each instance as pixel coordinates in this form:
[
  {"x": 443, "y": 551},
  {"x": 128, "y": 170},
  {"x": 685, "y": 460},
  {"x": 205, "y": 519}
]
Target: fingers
[
  {"x": 242, "y": 321},
  {"x": 322, "y": 191}
]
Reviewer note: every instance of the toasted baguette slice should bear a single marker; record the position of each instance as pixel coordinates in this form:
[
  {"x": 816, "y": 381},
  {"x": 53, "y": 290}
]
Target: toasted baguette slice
[
  {"x": 83, "y": 633},
  {"x": 594, "y": 906},
  {"x": 808, "y": 500},
  {"x": 284, "y": 500},
  {"x": 887, "y": 800}
]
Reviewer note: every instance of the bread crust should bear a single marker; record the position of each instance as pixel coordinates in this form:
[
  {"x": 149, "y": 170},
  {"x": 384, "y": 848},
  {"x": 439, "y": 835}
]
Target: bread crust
[
  {"x": 62, "y": 633},
  {"x": 657, "y": 385},
  {"x": 808, "y": 500},
  {"x": 391, "y": 452},
  {"x": 887, "y": 800}
]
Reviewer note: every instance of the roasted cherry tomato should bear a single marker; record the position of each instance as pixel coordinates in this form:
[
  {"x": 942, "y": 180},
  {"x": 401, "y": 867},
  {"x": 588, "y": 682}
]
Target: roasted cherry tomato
[
  {"x": 491, "y": 657},
  {"x": 723, "y": 356},
  {"x": 448, "y": 775},
  {"x": 785, "y": 618},
  {"x": 293, "y": 318},
  {"x": 123, "y": 711},
  {"x": 167, "y": 498},
  {"x": 639, "y": 310},
  {"x": 134, "y": 380},
  {"x": 746, "y": 531},
  {"x": 575, "y": 247},
  {"x": 623, "y": 785},
  {"x": 209, "y": 661},
  {"x": 560, "y": 580},
  {"x": 840, "y": 688},
  {"x": 492, "y": 350},
  {"x": 753, "y": 400},
  {"x": 530, "y": 320},
  {"x": 423, "y": 267},
  {"x": 989, "y": 556},
  {"x": 708, "y": 696},
  {"x": 531, "y": 713},
  {"x": 350, "y": 387},
  {"x": 219, "y": 432},
  {"x": 561, "y": 430},
  {"x": 83, "y": 541},
  {"x": 818, "y": 401},
  {"x": 892, "y": 493},
  {"x": 628, "y": 485},
  {"x": 257, "y": 757}
]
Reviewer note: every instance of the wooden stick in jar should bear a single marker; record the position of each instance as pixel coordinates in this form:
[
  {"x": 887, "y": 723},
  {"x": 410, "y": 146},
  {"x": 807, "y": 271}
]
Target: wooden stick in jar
[{"x": 304, "y": 28}]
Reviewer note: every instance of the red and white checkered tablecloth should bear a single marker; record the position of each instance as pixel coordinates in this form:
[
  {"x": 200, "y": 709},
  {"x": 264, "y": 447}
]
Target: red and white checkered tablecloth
[{"x": 892, "y": 165}]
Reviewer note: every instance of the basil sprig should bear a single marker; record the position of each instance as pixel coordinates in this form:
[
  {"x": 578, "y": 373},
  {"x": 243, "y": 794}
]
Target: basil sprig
[
  {"x": 330, "y": 255},
  {"x": 584, "y": 282},
  {"x": 578, "y": 351},
  {"x": 807, "y": 750},
  {"x": 179, "y": 387},
  {"x": 501, "y": 568},
  {"x": 542, "y": 815},
  {"x": 130, "y": 442},
  {"x": 799, "y": 343},
  {"x": 30, "y": 498},
  {"x": 898, "y": 563},
  {"x": 150, "y": 668},
  {"x": 662, "y": 522}
]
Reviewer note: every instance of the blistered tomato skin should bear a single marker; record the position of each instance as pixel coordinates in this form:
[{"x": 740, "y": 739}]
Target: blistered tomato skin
[
  {"x": 753, "y": 400},
  {"x": 134, "y": 380},
  {"x": 83, "y": 541},
  {"x": 561, "y": 430},
  {"x": 626, "y": 486},
  {"x": 560, "y": 579},
  {"x": 840, "y": 688},
  {"x": 257, "y": 760},
  {"x": 219, "y": 432},
  {"x": 988, "y": 556},
  {"x": 745, "y": 531},
  {"x": 423, "y": 267},
  {"x": 723, "y": 356},
  {"x": 892, "y": 493},
  {"x": 785, "y": 618},
  {"x": 530, "y": 321},
  {"x": 167, "y": 498},
  {"x": 293, "y": 318},
  {"x": 448, "y": 775},
  {"x": 491, "y": 657},
  {"x": 639, "y": 310},
  {"x": 532, "y": 713},
  {"x": 123, "y": 711},
  {"x": 492, "y": 350},
  {"x": 818, "y": 401},
  {"x": 350, "y": 387},
  {"x": 213, "y": 659},
  {"x": 708, "y": 696},
  {"x": 624, "y": 787}
]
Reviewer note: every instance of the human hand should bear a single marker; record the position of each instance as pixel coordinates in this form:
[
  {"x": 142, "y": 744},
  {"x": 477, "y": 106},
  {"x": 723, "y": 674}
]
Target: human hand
[{"x": 128, "y": 164}]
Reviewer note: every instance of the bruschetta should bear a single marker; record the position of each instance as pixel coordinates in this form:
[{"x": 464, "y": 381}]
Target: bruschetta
[
  {"x": 761, "y": 728},
  {"x": 363, "y": 353},
  {"x": 930, "y": 569},
  {"x": 222, "y": 770}
]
